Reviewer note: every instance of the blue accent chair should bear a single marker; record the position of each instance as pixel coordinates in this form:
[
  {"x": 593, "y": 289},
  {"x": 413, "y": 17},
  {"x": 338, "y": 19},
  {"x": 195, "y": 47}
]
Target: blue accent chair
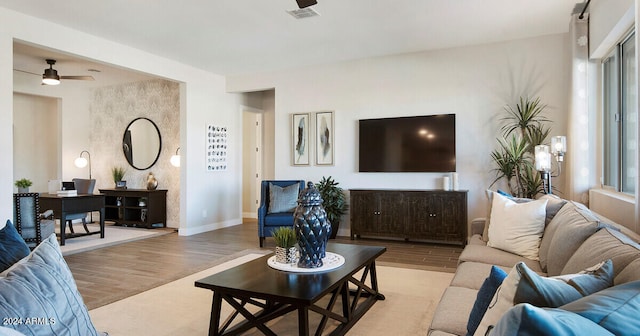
[{"x": 267, "y": 222}]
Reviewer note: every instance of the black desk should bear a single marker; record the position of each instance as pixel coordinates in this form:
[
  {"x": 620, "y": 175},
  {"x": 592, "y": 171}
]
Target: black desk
[
  {"x": 64, "y": 205},
  {"x": 285, "y": 292}
]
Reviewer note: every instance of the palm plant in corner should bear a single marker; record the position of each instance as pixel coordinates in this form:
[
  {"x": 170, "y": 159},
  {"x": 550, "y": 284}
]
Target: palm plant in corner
[
  {"x": 286, "y": 251},
  {"x": 334, "y": 202},
  {"x": 523, "y": 129}
]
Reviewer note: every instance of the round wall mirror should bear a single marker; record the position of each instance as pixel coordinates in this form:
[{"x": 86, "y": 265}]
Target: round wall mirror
[{"x": 141, "y": 143}]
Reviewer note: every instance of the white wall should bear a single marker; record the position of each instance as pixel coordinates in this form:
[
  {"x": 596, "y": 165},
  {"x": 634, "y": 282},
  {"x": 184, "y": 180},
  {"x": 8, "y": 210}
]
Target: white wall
[
  {"x": 35, "y": 136},
  {"x": 207, "y": 200},
  {"x": 608, "y": 21},
  {"x": 473, "y": 82}
]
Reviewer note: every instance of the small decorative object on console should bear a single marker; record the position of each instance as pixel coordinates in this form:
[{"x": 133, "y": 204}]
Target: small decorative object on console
[
  {"x": 312, "y": 227},
  {"x": 152, "y": 182}
]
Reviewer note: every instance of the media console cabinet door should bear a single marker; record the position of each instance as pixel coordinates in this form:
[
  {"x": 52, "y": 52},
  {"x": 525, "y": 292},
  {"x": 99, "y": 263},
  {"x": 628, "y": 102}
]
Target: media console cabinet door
[{"x": 430, "y": 215}]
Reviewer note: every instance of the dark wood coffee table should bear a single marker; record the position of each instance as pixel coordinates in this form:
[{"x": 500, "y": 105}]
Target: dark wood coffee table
[{"x": 277, "y": 293}]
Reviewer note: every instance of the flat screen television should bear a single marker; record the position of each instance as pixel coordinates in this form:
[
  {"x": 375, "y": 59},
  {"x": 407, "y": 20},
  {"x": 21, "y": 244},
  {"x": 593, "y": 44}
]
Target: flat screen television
[{"x": 408, "y": 144}]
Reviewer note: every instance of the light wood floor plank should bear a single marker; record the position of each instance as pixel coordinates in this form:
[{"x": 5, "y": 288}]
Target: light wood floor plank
[{"x": 112, "y": 273}]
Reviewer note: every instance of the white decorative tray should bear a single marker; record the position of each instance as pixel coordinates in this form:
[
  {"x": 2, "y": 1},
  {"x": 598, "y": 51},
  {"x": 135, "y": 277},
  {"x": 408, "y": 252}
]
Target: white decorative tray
[{"x": 329, "y": 262}]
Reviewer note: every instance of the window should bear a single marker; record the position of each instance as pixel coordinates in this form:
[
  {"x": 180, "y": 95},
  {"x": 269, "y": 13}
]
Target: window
[{"x": 620, "y": 113}]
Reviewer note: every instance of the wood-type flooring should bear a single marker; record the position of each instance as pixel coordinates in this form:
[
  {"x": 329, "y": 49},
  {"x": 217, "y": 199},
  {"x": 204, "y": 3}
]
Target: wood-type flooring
[{"x": 112, "y": 273}]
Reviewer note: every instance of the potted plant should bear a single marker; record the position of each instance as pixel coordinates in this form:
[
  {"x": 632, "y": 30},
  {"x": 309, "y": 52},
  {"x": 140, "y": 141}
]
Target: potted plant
[
  {"x": 286, "y": 251},
  {"x": 523, "y": 129},
  {"x": 118, "y": 175},
  {"x": 334, "y": 202},
  {"x": 23, "y": 185}
]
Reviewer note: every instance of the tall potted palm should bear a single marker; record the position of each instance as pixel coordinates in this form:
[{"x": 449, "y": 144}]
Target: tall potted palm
[
  {"x": 524, "y": 127},
  {"x": 334, "y": 202}
]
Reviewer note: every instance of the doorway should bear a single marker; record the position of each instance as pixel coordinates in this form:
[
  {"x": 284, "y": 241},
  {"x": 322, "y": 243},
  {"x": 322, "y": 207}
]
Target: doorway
[{"x": 252, "y": 158}]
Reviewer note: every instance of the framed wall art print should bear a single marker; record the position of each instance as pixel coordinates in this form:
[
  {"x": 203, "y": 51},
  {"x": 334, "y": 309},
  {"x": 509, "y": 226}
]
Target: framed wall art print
[
  {"x": 217, "y": 142},
  {"x": 324, "y": 138},
  {"x": 300, "y": 139}
]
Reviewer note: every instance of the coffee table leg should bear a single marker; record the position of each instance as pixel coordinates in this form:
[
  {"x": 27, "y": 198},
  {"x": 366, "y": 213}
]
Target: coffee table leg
[
  {"x": 216, "y": 306},
  {"x": 303, "y": 321}
]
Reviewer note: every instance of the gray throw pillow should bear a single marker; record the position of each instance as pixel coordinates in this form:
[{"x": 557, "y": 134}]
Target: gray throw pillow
[
  {"x": 283, "y": 199},
  {"x": 602, "y": 245},
  {"x": 574, "y": 226}
]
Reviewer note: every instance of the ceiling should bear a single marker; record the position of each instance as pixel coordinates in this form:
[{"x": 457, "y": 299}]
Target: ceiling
[{"x": 248, "y": 36}]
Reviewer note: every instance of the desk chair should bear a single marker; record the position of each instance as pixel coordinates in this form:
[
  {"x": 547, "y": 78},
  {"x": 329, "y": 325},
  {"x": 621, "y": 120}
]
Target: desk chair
[
  {"x": 83, "y": 186},
  {"x": 32, "y": 225},
  {"x": 272, "y": 216}
]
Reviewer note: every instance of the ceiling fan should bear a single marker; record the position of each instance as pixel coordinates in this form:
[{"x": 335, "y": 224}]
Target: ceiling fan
[{"x": 51, "y": 77}]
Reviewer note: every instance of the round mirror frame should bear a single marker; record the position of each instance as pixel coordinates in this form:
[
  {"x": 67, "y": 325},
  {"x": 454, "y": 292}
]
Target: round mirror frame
[{"x": 124, "y": 145}]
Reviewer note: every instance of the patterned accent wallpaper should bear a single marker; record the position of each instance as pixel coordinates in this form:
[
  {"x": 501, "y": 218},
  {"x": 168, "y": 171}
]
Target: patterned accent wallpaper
[{"x": 111, "y": 110}]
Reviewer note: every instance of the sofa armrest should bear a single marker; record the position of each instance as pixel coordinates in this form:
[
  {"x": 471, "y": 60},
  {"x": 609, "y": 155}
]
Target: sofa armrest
[{"x": 477, "y": 226}]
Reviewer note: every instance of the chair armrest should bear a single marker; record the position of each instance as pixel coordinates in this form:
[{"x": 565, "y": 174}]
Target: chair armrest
[
  {"x": 477, "y": 226},
  {"x": 47, "y": 214}
]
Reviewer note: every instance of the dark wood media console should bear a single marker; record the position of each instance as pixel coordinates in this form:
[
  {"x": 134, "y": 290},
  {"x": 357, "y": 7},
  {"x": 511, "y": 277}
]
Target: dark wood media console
[
  {"x": 430, "y": 215},
  {"x": 124, "y": 207}
]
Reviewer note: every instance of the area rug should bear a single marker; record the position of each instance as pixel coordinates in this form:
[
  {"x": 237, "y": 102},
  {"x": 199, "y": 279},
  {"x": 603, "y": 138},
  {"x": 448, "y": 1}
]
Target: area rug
[
  {"x": 179, "y": 308},
  {"x": 113, "y": 235}
]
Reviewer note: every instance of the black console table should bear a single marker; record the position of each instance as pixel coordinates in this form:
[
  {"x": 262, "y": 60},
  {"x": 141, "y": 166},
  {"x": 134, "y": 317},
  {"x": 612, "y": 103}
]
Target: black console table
[
  {"x": 136, "y": 207},
  {"x": 431, "y": 215}
]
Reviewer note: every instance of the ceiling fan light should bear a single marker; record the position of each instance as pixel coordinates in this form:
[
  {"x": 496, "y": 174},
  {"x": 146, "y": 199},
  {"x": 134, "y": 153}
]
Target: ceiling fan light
[{"x": 50, "y": 77}]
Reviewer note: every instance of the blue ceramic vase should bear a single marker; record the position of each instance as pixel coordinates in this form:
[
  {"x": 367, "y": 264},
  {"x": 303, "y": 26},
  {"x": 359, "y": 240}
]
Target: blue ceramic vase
[{"x": 312, "y": 227}]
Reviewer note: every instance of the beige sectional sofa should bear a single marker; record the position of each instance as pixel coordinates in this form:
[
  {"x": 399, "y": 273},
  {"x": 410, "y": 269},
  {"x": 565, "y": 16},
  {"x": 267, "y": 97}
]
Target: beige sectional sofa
[{"x": 574, "y": 239}]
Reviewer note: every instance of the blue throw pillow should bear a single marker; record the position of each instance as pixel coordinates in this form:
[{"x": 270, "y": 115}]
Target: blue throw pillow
[
  {"x": 283, "y": 199},
  {"x": 556, "y": 291},
  {"x": 615, "y": 309},
  {"x": 12, "y": 246},
  {"x": 42, "y": 288},
  {"x": 485, "y": 294},
  {"x": 525, "y": 319}
]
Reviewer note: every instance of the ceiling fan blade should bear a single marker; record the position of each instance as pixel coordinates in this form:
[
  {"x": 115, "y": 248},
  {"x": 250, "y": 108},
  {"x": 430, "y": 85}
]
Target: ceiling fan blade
[
  {"x": 27, "y": 72},
  {"x": 78, "y": 77}
]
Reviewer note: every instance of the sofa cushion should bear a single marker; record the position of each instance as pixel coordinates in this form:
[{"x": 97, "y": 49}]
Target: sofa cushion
[
  {"x": 12, "y": 246},
  {"x": 526, "y": 319},
  {"x": 453, "y": 311},
  {"x": 602, "y": 245},
  {"x": 564, "y": 235},
  {"x": 556, "y": 291},
  {"x": 517, "y": 227},
  {"x": 615, "y": 309},
  {"x": 484, "y": 296},
  {"x": 42, "y": 287},
  {"x": 629, "y": 273},
  {"x": 493, "y": 256},
  {"x": 472, "y": 274},
  {"x": 283, "y": 199}
]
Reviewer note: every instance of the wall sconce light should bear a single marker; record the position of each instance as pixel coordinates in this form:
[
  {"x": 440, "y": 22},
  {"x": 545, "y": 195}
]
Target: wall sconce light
[
  {"x": 175, "y": 159},
  {"x": 81, "y": 162}
]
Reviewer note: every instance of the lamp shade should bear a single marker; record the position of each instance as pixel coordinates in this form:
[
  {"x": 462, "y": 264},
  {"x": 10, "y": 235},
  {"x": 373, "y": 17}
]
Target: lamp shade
[
  {"x": 80, "y": 162},
  {"x": 559, "y": 144},
  {"x": 175, "y": 159},
  {"x": 543, "y": 158}
]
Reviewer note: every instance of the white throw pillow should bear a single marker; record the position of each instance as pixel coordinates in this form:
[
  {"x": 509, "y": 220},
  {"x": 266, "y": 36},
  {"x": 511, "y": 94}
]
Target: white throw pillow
[{"x": 517, "y": 227}]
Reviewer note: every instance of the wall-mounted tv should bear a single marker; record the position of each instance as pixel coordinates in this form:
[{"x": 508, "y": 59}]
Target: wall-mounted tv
[{"x": 408, "y": 144}]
